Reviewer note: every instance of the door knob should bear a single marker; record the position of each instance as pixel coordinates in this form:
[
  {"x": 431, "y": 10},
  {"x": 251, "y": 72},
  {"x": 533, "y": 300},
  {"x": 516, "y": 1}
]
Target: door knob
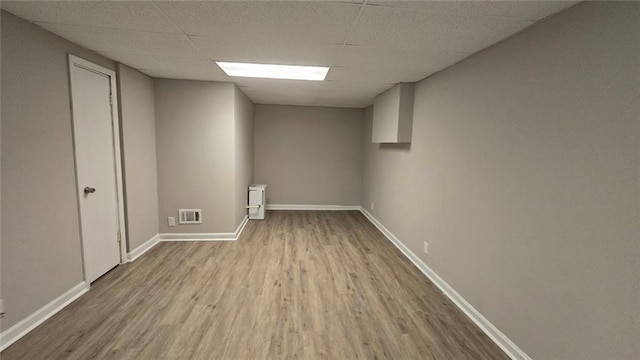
[{"x": 89, "y": 190}]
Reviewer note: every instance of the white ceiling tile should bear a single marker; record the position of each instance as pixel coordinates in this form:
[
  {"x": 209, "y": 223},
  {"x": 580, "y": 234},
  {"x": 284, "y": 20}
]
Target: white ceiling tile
[
  {"x": 267, "y": 52},
  {"x": 478, "y": 32},
  {"x": 292, "y": 100},
  {"x": 386, "y": 60},
  {"x": 132, "y": 15},
  {"x": 401, "y": 28},
  {"x": 276, "y": 84},
  {"x": 404, "y": 28},
  {"x": 304, "y": 53},
  {"x": 362, "y": 95},
  {"x": 532, "y": 10},
  {"x": 113, "y": 40},
  {"x": 181, "y": 74},
  {"x": 322, "y": 22},
  {"x": 346, "y": 96},
  {"x": 262, "y": 92},
  {"x": 171, "y": 65},
  {"x": 364, "y": 88},
  {"x": 357, "y": 74}
]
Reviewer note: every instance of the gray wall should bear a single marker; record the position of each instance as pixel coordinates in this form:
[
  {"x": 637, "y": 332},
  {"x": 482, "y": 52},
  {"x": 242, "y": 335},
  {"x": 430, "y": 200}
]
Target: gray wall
[
  {"x": 1, "y": 297},
  {"x": 243, "y": 147},
  {"x": 309, "y": 155},
  {"x": 41, "y": 256},
  {"x": 195, "y": 151},
  {"x": 138, "y": 139},
  {"x": 523, "y": 177}
]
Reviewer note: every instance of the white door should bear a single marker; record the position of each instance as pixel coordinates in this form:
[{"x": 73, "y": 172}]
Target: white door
[{"x": 93, "y": 124}]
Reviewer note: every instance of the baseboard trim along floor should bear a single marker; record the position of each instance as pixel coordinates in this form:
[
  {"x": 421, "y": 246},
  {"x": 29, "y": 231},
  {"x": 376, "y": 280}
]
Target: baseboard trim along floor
[
  {"x": 312, "y": 207},
  {"x": 232, "y": 236},
  {"x": 23, "y": 327},
  {"x": 499, "y": 338},
  {"x": 140, "y": 250}
]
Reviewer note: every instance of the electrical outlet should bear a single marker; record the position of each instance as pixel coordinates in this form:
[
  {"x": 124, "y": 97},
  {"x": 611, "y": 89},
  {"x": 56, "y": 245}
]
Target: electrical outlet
[
  {"x": 372, "y": 207},
  {"x": 172, "y": 221},
  {"x": 426, "y": 247}
]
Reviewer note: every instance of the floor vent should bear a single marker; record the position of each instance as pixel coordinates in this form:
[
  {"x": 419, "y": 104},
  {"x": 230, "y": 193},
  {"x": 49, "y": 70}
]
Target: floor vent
[{"x": 190, "y": 216}]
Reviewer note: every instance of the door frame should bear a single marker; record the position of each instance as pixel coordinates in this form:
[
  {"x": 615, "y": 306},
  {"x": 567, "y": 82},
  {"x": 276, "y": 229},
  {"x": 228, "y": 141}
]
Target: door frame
[{"x": 75, "y": 61}]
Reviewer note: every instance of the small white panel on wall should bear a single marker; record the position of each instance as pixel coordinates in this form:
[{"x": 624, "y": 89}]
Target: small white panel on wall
[{"x": 393, "y": 115}]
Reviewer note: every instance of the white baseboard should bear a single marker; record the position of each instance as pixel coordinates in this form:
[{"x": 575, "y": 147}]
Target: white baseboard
[
  {"x": 240, "y": 227},
  {"x": 22, "y": 328},
  {"x": 508, "y": 346},
  {"x": 137, "y": 252},
  {"x": 205, "y": 236},
  {"x": 312, "y": 207}
]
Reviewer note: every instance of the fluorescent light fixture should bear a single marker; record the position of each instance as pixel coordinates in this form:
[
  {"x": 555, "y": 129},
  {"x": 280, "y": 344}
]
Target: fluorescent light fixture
[{"x": 271, "y": 71}]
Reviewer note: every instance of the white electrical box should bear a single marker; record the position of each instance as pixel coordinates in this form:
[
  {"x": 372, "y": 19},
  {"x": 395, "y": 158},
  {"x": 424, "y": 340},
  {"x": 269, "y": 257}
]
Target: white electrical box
[{"x": 257, "y": 201}]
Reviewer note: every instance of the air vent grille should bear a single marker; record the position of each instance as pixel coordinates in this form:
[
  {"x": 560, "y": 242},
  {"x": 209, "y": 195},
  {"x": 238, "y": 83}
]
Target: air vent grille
[{"x": 190, "y": 216}]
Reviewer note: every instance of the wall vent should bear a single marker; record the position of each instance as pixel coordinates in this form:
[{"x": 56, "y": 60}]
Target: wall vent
[{"x": 190, "y": 216}]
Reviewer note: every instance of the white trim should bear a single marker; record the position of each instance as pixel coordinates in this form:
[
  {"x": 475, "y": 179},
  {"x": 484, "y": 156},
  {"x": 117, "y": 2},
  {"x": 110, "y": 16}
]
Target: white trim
[
  {"x": 508, "y": 346},
  {"x": 240, "y": 227},
  {"x": 232, "y": 236},
  {"x": 32, "y": 321},
  {"x": 115, "y": 121},
  {"x": 312, "y": 207},
  {"x": 140, "y": 250}
]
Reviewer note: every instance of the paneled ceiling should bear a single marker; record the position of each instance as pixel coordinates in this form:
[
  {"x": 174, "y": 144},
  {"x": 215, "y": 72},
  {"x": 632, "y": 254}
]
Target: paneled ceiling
[{"x": 370, "y": 45}]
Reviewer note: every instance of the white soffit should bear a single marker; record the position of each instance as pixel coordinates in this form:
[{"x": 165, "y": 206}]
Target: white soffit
[{"x": 369, "y": 45}]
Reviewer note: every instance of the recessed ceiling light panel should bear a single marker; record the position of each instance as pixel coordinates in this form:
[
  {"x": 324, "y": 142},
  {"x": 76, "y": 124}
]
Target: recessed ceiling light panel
[{"x": 271, "y": 71}]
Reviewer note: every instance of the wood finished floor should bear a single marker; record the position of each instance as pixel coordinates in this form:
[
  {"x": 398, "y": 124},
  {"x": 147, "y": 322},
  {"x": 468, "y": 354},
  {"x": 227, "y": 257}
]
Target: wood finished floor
[{"x": 299, "y": 285}]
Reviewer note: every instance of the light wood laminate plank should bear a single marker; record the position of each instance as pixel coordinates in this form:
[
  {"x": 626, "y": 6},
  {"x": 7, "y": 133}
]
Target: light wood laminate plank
[{"x": 298, "y": 285}]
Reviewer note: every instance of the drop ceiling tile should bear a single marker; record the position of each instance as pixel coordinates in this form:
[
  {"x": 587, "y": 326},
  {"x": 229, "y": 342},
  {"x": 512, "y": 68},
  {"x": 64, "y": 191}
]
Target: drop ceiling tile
[
  {"x": 132, "y": 15},
  {"x": 348, "y": 94},
  {"x": 401, "y": 28},
  {"x": 299, "y": 53},
  {"x": 343, "y": 102},
  {"x": 182, "y": 74},
  {"x": 170, "y": 65},
  {"x": 344, "y": 96},
  {"x": 267, "y": 52},
  {"x": 479, "y": 32},
  {"x": 250, "y": 50},
  {"x": 276, "y": 84},
  {"x": 321, "y": 22},
  {"x": 114, "y": 40},
  {"x": 262, "y": 92},
  {"x": 298, "y": 100},
  {"x": 387, "y": 60},
  {"x": 531, "y": 10},
  {"x": 404, "y": 28},
  {"x": 357, "y": 74},
  {"x": 365, "y": 88}
]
